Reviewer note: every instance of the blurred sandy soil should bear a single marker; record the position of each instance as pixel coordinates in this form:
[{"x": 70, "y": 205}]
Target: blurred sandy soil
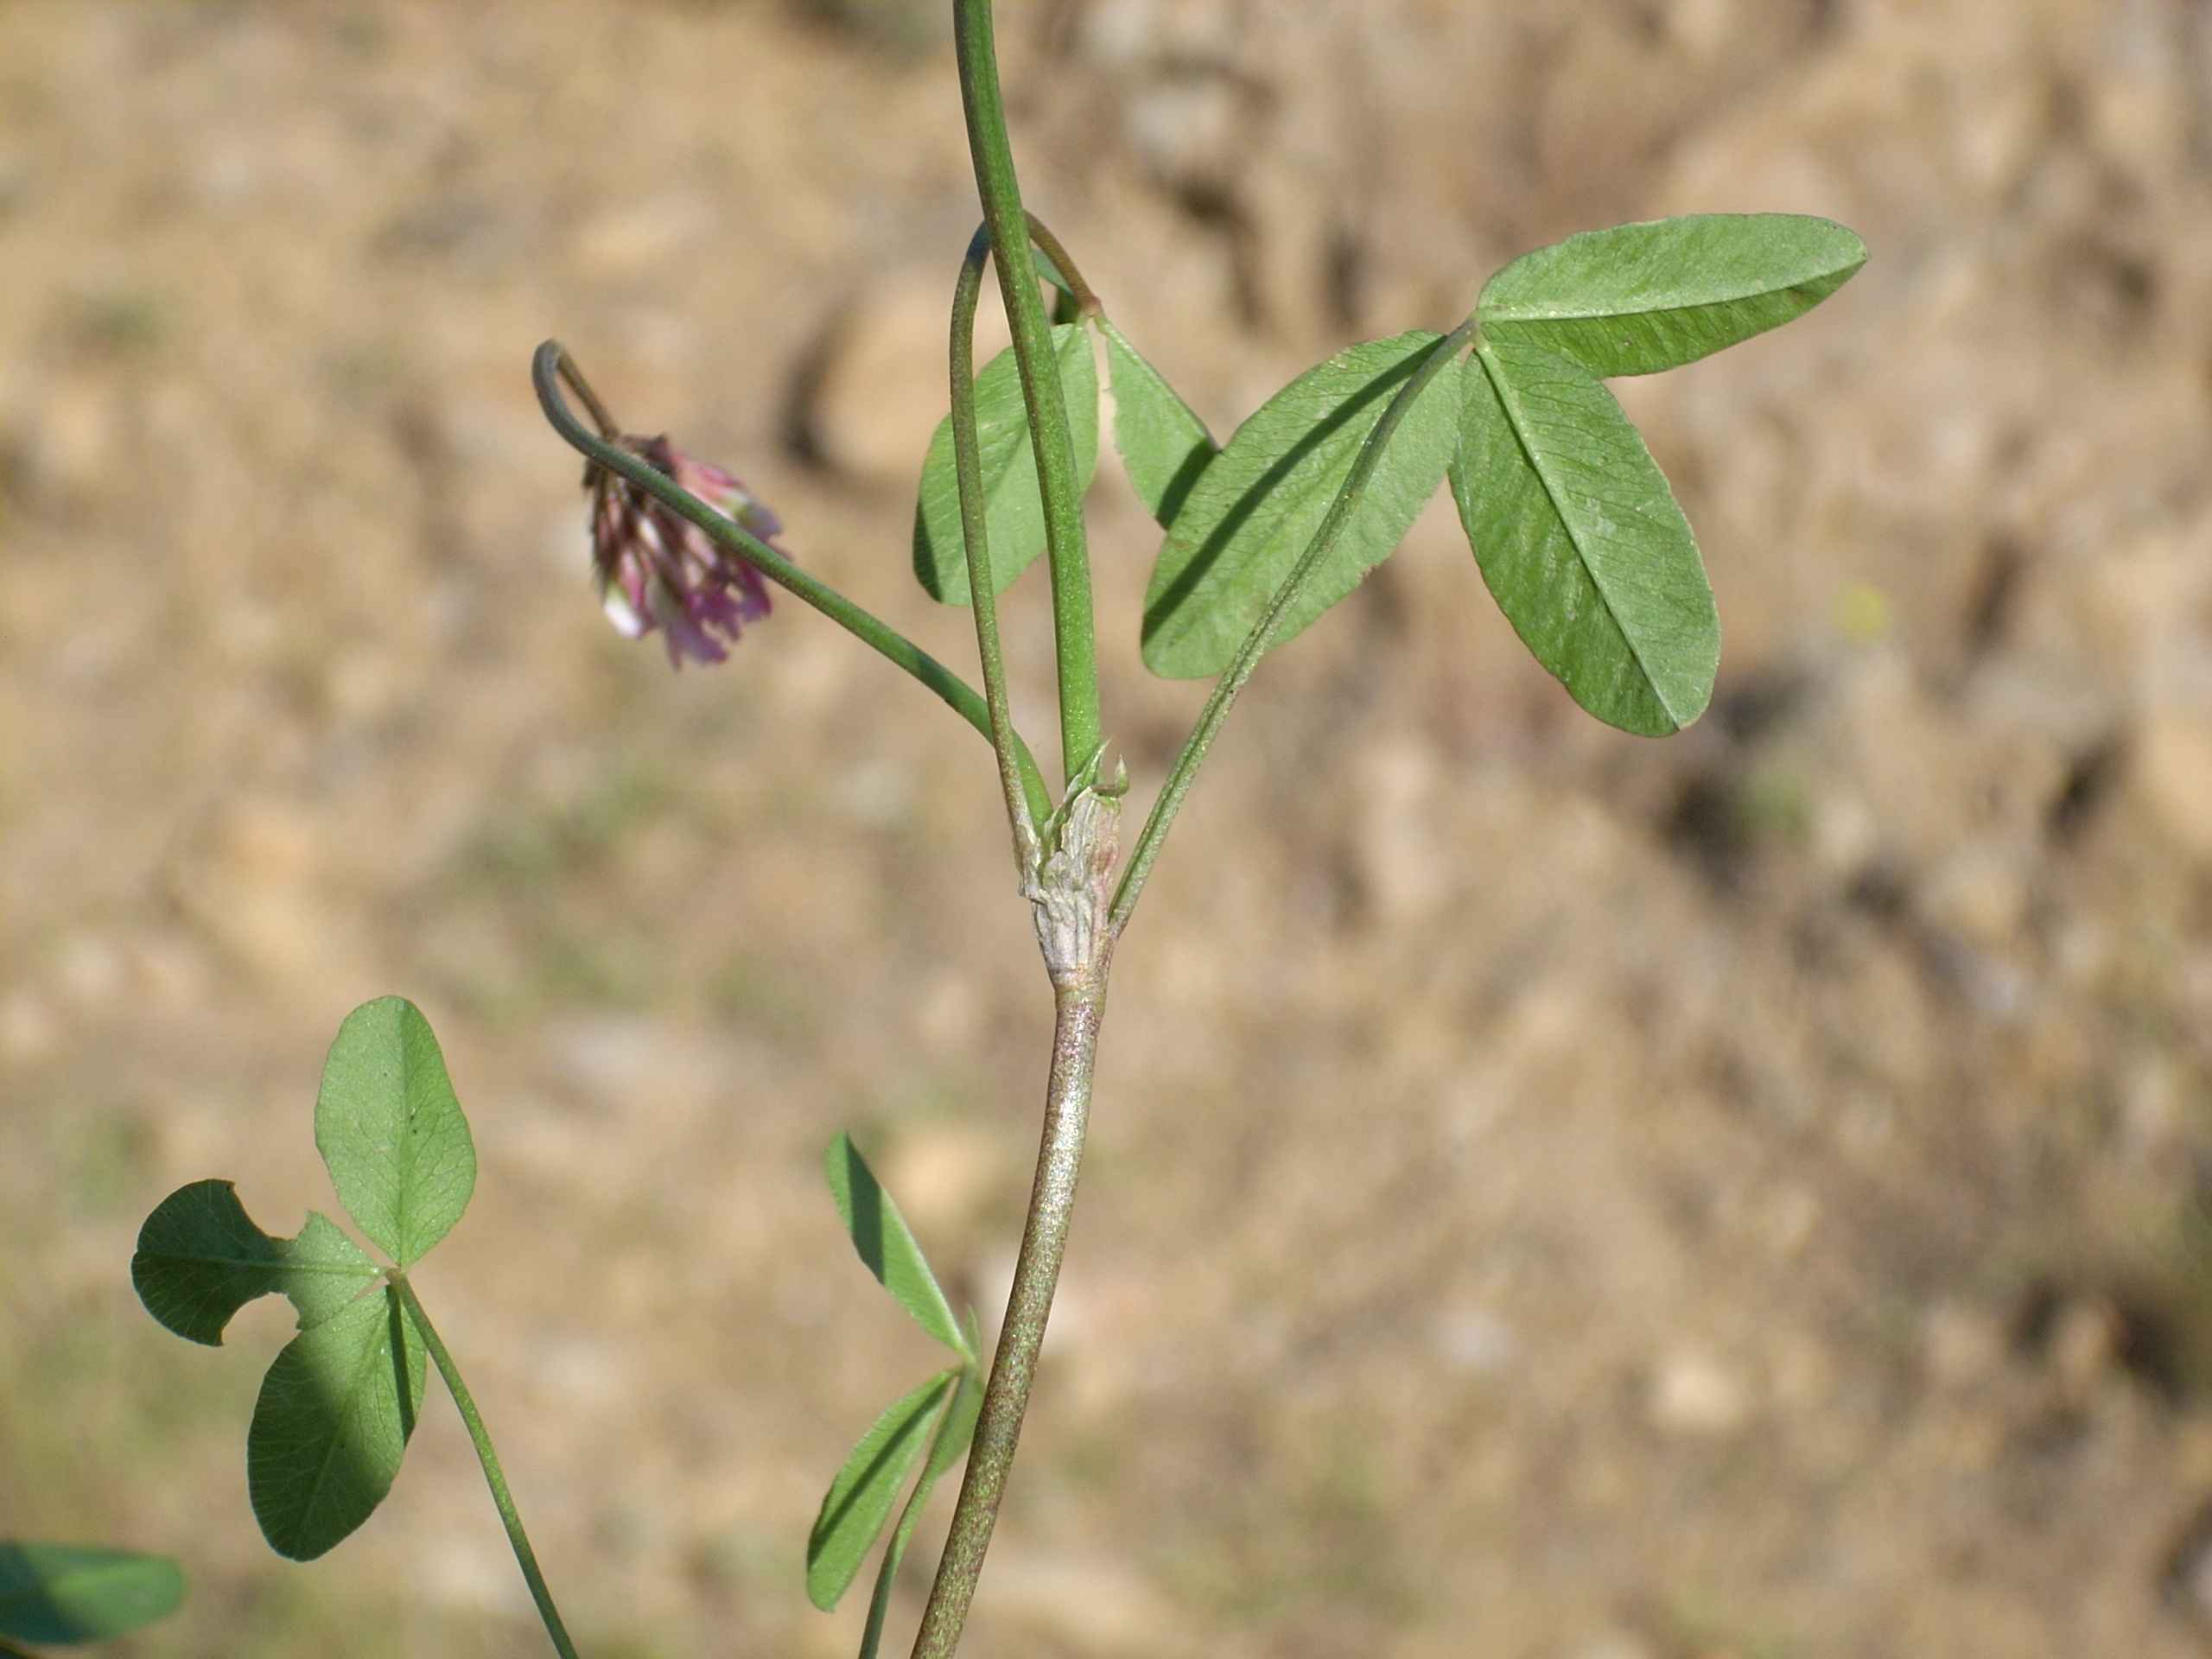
[{"x": 1553, "y": 1196}]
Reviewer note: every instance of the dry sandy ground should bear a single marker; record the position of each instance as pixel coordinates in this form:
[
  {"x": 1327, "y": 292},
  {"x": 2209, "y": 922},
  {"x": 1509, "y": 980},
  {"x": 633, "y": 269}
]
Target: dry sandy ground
[{"x": 1553, "y": 1196}]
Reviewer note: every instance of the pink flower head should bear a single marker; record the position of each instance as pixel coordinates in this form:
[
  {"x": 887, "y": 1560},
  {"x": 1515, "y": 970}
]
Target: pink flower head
[{"x": 657, "y": 570}]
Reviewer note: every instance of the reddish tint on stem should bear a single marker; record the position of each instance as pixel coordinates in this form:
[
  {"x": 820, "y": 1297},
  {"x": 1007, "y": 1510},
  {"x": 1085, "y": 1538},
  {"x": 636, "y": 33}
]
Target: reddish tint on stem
[{"x": 658, "y": 571}]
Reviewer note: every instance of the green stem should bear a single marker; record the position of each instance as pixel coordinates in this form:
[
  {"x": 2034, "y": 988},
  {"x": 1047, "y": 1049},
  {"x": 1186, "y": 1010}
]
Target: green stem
[
  {"x": 581, "y": 387},
  {"x": 525, "y": 1557},
  {"x": 552, "y": 363},
  {"x": 1225, "y": 690},
  {"x": 1078, "y": 1009},
  {"x": 982, "y": 588},
  {"x": 1073, "y": 632}
]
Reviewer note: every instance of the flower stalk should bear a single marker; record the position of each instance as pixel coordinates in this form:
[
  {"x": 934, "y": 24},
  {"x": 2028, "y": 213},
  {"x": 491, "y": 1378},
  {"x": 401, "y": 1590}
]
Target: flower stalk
[
  {"x": 975, "y": 533},
  {"x": 551, "y": 366}
]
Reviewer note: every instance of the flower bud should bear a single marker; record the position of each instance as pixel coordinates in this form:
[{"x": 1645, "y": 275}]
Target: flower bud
[{"x": 659, "y": 571}]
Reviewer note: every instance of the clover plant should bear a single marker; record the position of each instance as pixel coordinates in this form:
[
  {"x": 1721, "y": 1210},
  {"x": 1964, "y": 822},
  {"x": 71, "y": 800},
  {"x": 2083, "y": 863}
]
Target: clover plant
[{"x": 1574, "y": 530}]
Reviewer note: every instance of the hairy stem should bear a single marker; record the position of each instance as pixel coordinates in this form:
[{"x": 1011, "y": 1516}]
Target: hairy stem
[
  {"x": 1232, "y": 680},
  {"x": 1073, "y": 632},
  {"x": 551, "y": 364},
  {"x": 510, "y": 1518},
  {"x": 1079, "y": 1007}
]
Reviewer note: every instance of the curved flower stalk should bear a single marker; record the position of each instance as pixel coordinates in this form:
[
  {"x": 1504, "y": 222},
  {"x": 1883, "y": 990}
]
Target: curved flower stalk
[{"x": 551, "y": 367}]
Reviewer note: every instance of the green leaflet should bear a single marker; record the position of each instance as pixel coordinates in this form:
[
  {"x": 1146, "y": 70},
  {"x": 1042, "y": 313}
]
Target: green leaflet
[
  {"x": 1258, "y": 505},
  {"x": 331, "y": 1425},
  {"x": 1580, "y": 540},
  {"x": 1639, "y": 298},
  {"x": 954, "y": 1429},
  {"x": 390, "y": 1131},
  {"x": 1015, "y": 507},
  {"x": 70, "y": 1593},
  {"x": 859, "y": 1500},
  {"x": 886, "y": 1246},
  {"x": 1164, "y": 446},
  {"x": 200, "y": 1259}
]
